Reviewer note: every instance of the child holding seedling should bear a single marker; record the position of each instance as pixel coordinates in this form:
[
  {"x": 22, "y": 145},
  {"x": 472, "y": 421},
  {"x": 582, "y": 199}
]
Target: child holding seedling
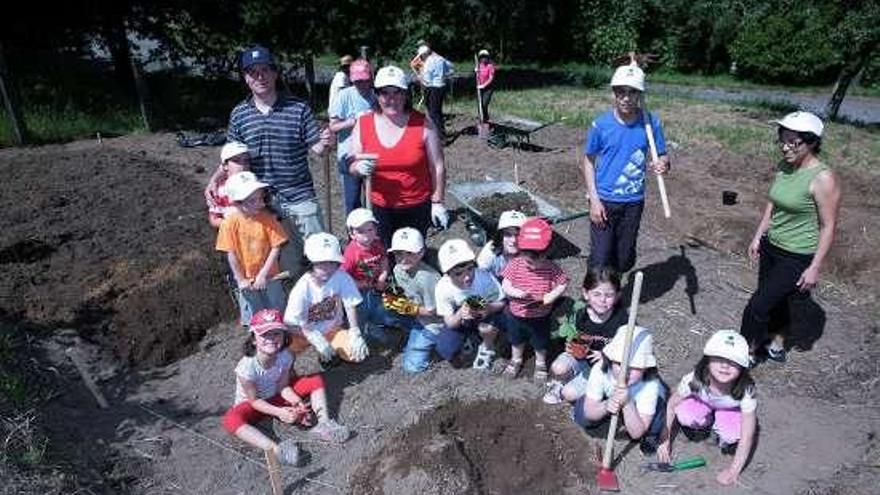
[
  {"x": 494, "y": 258},
  {"x": 266, "y": 386},
  {"x": 641, "y": 405},
  {"x": 532, "y": 283},
  {"x": 234, "y": 158},
  {"x": 366, "y": 261},
  {"x": 470, "y": 301},
  {"x": 320, "y": 300},
  {"x": 410, "y": 296},
  {"x": 587, "y": 330},
  {"x": 252, "y": 237},
  {"x": 719, "y": 394}
]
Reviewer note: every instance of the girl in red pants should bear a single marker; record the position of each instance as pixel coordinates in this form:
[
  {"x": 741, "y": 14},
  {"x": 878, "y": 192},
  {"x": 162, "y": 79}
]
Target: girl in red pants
[{"x": 266, "y": 386}]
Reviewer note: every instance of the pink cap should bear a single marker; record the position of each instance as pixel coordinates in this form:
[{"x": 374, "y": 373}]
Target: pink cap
[
  {"x": 360, "y": 70},
  {"x": 265, "y": 320}
]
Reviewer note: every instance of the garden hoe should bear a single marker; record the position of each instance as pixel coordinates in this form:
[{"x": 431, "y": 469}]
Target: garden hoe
[{"x": 606, "y": 479}]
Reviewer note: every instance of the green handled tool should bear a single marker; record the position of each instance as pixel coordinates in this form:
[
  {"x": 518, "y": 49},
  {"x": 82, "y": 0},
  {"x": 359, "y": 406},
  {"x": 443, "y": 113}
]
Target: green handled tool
[{"x": 663, "y": 467}]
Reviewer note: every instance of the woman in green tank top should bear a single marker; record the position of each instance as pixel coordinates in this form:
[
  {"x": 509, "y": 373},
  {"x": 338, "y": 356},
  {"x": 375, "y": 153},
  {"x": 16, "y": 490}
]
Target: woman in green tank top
[{"x": 796, "y": 230}]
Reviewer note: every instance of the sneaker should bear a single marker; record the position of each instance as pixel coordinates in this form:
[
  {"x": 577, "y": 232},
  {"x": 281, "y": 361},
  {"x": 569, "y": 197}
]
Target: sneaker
[
  {"x": 553, "y": 395},
  {"x": 331, "y": 431},
  {"x": 648, "y": 444},
  {"x": 484, "y": 359},
  {"x": 727, "y": 448},
  {"x": 288, "y": 453},
  {"x": 696, "y": 434},
  {"x": 776, "y": 355}
]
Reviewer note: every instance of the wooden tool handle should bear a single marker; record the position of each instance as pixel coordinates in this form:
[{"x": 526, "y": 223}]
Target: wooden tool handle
[
  {"x": 661, "y": 184},
  {"x": 624, "y": 366},
  {"x": 368, "y": 192},
  {"x": 274, "y": 468}
]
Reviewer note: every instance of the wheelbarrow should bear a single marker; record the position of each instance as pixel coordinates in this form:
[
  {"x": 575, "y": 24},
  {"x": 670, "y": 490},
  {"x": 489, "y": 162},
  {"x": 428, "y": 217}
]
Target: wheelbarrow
[
  {"x": 517, "y": 128},
  {"x": 475, "y": 221}
]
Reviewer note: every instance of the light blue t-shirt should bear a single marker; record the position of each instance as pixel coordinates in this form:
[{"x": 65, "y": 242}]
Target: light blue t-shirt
[
  {"x": 349, "y": 103},
  {"x": 435, "y": 71},
  {"x": 621, "y": 152}
]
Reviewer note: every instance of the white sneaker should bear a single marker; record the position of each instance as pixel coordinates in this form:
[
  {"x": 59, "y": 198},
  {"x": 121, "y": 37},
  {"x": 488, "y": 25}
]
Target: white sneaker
[
  {"x": 553, "y": 395},
  {"x": 484, "y": 358}
]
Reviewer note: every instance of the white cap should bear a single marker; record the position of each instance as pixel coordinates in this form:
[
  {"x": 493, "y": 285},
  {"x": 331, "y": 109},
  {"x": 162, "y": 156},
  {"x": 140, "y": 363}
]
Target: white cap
[
  {"x": 423, "y": 49},
  {"x": 358, "y": 217},
  {"x": 641, "y": 352},
  {"x": 454, "y": 252},
  {"x": 483, "y": 53},
  {"x": 322, "y": 247},
  {"x": 407, "y": 239},
  {"x": 231, "y": 149},
  {"x": 242, "y": 185},
  {"x": 390, "y": 76},
  {"x": 728, "y": 344},
  {"x": 802, "y": 122},
  {"x": 629, "y": 75},
  {"x": 511, "y": 218}
]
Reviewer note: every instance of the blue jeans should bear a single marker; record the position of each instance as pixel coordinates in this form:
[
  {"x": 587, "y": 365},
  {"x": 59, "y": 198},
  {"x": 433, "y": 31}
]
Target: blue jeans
[
  {"x": 250, "y": 301},
  {"x": 373, "y": 317},
  {"x": 450, "y": 341},
  {"x": 658, "y": 422},
  {"x": 417, "y": 354},
  {"x": 299, "y": 220}
]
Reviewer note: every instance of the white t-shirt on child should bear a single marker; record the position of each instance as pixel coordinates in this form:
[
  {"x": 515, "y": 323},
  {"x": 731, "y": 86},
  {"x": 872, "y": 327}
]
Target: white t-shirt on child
[
  {"x": 265, "y": 379},
  {"x": 644, "y": 393},
  {"x": 449, "y": 297},
  {"x": 747, "y": 404},
  {"x": 320, "y": 307}
]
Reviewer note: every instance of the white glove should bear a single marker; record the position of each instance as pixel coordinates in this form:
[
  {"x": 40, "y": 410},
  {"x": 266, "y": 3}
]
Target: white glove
[
  {"x": 321, "y": 345},
  {"x": 365, "y": 167},
  {"x": 486, "y": 256},
  {"x": 439, "y": 215},
  {"x": 359, "y": 349}
]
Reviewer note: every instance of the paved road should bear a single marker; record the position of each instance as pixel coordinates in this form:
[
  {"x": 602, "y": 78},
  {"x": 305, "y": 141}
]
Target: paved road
[{"x": 854, "y": 108}]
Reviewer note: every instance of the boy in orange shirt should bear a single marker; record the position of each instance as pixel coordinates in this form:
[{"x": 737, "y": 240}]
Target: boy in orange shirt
[{"x": 252, "y": 237}]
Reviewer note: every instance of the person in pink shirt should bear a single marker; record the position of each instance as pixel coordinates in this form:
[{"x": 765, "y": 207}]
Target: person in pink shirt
[
  {"x": 485, "y": 81},
  {"x": 532, "y": 283}
]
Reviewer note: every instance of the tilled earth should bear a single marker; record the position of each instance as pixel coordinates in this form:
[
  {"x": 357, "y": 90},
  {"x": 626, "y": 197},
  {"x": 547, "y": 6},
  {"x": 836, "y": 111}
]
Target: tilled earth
[{"x": 106, "y": 247}]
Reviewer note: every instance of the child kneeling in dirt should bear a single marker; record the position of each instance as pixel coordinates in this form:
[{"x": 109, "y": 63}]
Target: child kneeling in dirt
[
  {"x": 532, "y": 283},
  {"x": 266, "y": 387},
  {"x": 319, "y": 301},
  {"x": 366, "y": 261},
  {"x": 251, "y": 237},
  {"x": 411, "y": 298},
  {"x": 234, "y": 158},
  {"x": 588, "y": 328},
  {"x": 641, "y": 404},
  {"x": 719, "y": 394},
  {"x": 493, "y": 258},
  {"x": 470, "y": 301}
]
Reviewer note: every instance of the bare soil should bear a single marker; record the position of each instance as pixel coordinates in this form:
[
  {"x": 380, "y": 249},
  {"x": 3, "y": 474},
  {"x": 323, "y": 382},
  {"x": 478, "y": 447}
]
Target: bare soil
[{"x": 106, "y": 247}]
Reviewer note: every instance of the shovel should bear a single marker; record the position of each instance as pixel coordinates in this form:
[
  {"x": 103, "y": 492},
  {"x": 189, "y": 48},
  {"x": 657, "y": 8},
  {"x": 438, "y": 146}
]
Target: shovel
[
  {"x": 665, "y": 467},
  {"x": 606, "y": 479}
]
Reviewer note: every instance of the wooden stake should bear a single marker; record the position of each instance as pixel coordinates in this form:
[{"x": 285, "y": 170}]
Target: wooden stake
[
  {"x": 327, "y": 191},
  {"x": 274, "y": 468},
  {"x": 73, "y": 354}
]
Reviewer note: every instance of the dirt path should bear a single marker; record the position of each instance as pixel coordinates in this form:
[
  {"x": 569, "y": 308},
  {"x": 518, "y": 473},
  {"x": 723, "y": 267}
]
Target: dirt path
[{"x": 819, "y": 413}]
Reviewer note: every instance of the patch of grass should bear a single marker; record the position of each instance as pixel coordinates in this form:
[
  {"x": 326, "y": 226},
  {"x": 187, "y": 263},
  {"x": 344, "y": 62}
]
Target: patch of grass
[{"x": 49, "y": 125}]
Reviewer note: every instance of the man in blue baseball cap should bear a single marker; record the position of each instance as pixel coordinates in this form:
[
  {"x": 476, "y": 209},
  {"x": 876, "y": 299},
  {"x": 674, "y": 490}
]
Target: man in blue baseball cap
[{"x": 279, "y": 130}]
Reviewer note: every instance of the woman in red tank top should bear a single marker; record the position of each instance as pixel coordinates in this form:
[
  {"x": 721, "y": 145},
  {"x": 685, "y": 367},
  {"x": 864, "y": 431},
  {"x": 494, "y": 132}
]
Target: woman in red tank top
[{"x": 409, "y": 178}]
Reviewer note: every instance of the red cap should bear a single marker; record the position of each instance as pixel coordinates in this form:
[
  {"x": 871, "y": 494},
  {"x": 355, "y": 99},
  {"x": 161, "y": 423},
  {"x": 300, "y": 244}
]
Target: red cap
[
  {"x": 534, "y": 235},
  {"x": 265, "y": 320}
]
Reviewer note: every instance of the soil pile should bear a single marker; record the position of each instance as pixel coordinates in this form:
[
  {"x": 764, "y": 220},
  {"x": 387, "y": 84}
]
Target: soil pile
[
  {"x": 495, "y": 446},
  {"x": 122, "y": 247},
  {"x": 491, "y": 207}
]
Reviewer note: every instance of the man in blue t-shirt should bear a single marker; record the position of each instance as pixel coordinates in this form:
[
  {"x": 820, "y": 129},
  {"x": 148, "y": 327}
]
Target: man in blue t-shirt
[
  {"x": 615, "y": 163},
  {"x": 349, "y": 105},
  {"x": 279, "y": 131}
]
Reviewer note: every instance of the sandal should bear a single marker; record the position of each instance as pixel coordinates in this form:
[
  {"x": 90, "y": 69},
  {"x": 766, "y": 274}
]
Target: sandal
[
  {"x": 484, "y": 359},
  {"x": 512, "y": 369},
  {"x": 541, "y": 372}
]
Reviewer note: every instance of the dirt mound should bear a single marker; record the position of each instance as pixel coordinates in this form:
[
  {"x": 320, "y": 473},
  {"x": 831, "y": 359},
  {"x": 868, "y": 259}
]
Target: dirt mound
[
  {"x": 123, "y": 248},
  {"x": 487, "y": 447}
]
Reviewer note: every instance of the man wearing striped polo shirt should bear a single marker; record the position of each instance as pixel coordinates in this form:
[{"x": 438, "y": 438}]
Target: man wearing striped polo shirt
[{"x": 279, "y": 130}]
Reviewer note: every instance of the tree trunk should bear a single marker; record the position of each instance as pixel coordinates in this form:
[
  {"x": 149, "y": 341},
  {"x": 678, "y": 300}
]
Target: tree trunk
[
  {"x": 847, "y": 74},
  {"x": 116, "y": 38},
  {"x": 11, "y": 102}
]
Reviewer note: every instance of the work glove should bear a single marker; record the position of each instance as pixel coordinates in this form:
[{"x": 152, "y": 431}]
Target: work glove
[
  {"x": 359, "y": 350},
  {"x": 439, "y": 215},
  {"x": 365, "y": 167},
  {"x": 321, "y": 345},
  {"x": 486, "y": 256},
  {"x": 404, "y": 306}
]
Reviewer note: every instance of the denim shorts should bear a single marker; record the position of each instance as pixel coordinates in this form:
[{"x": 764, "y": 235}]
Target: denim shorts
[{"x": 250, "y": 301}]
